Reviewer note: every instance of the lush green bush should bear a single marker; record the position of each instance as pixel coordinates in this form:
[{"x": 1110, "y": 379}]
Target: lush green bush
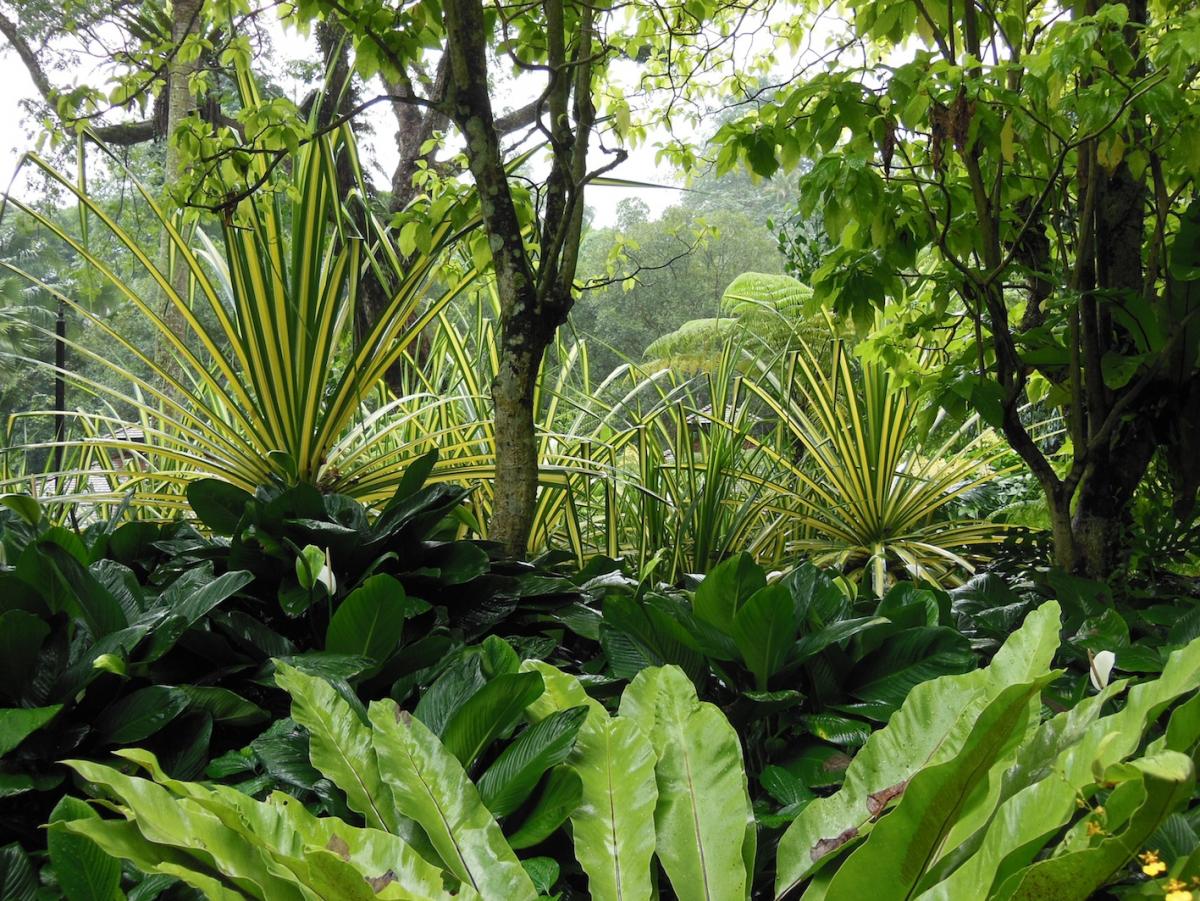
[{"x": 967, "y": 792}]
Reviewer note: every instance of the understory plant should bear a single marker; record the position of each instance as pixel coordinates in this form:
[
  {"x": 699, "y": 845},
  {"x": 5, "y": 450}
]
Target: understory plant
[
  {"x": 257, "y": 376},
  {"x": 866, "y": 489},
  {"x": 969, "y": 791}
]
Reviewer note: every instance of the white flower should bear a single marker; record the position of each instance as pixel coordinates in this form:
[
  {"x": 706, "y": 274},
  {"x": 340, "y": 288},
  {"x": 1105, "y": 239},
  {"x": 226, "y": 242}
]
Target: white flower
[
  {"x": 326, "y": 576},
  {"x": 1101, "y": 668}
]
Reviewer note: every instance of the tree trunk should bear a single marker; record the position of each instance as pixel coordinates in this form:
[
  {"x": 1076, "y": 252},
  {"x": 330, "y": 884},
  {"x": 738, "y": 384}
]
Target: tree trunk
[{"x": 181, "y": 102}]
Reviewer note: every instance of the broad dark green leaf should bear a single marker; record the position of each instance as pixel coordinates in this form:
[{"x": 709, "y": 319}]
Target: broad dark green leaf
[
  {"x": 907, "y": 659},
  {"x": 726, "y": 587},
  {"x": 450, "y": 692},
  {"x": 21, "y": 637},
  {"x": 224, "y": 705},
  {"x": 560, "y": 797},
  {"x": 491, "y": 712},
  {"x": 219, "y": 505},
  {"x": 516, "y": 772},
  {"x": 765, "y": 629},
  {"x": 370, "y": 621},
  {"x": 139, "y": 715}
]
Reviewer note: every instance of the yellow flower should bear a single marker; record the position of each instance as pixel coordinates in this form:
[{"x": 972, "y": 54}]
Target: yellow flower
[
  {"x": 1151, "y": 865},
  {"x": 1176, "y": 891},
  {"x": 1094, "y": 828}
]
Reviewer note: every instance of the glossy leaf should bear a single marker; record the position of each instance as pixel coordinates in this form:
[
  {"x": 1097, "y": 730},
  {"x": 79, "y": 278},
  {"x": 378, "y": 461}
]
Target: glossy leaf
[
  {"x": 491, "y": 712},
  {"x": 430, "y": 786},
  {"x": 340, "y": 745},
  {"x": 506, "y": 784},
  {"x": 764, "y": 628},
  {"x": 370, "y": 620},
  {"x": 84, "y": 872},
  {"x": 928, "y": 729},
  {"x": 702, "y": 790},
  {"x": 560, "y": 797},
  {"x": 614, "y": 824},
  {"x": 139, "y": 715},
  {"x": 905, "y": 843},
  {"x": 17, "y": 724},
  {"x": 725, "y": 588}
]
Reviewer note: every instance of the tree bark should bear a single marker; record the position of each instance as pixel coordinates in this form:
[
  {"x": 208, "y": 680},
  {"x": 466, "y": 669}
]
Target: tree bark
[
  {"x": 181, "y": 102},
  {"x": 534, "y": 301}
]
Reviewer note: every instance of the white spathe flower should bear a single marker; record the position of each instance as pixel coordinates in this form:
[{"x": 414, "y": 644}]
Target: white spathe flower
[
  {"x": 326, "y": 577},
  {"x": 1101, "y": 669}
]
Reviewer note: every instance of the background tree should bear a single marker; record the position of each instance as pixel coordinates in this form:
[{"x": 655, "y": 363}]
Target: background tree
[
  {"x": 654, "y": 275},
  {"x": 1016, "y": 189}
]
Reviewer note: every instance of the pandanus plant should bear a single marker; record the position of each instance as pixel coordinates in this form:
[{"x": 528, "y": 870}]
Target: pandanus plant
[
  {"x": 869, "y": 491},
  {"x": 264, "y": 380}
]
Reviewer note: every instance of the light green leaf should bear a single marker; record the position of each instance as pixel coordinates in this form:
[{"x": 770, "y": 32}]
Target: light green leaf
[
  {"x": 614, "y": 823},
  {"x": 908, "y": 840},
  {"x": 702, "y": 790},
  {"x": 340, "y": 745},
  {"x": 122, "y": 840},
  {"x": 1040, "y": 793},
  {"x": 430, "y": 786},
  {"x": 1168, "y": 782},
  {"x": 84, "y": 872},
  {"x": 928, "y": 729},
  {"x": 164, "y": 820}
]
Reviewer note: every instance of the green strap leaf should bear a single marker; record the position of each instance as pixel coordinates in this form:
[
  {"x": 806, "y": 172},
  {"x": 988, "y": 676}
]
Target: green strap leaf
[
  {"x": 908, "y": 840},
  {"x": 702, "y": 790},
  {"x": 928, "y": 729},
  {"x": 165, "y": 820},
  {"x": 614, "y": 823},
  {"x": 1169, "y": 779},
  {"x": 340, "y": 745},
  {"x": 1040, "y": 793},
  {"x": 430, "y": 786},
  {"x": 121, "y": 839}
]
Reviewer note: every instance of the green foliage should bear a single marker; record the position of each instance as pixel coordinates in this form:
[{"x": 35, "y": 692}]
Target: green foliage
[
  {"x": 257, "y": 380},
  {"x": 977, "y": 786},
  {"x": 96, "y": 657},
  {"x": 871, "y": 492},
  {"x": 214, "y": 836},
  {"x": 804, "y": 667}
]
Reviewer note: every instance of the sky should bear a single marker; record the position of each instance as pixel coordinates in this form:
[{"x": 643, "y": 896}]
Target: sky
[{"x": 18, "y": 133}]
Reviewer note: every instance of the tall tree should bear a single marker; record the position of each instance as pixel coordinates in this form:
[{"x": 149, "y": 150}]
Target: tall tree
[
  {"x": 534, "y": 241},
  {"x": 1016, "y": 191}
]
